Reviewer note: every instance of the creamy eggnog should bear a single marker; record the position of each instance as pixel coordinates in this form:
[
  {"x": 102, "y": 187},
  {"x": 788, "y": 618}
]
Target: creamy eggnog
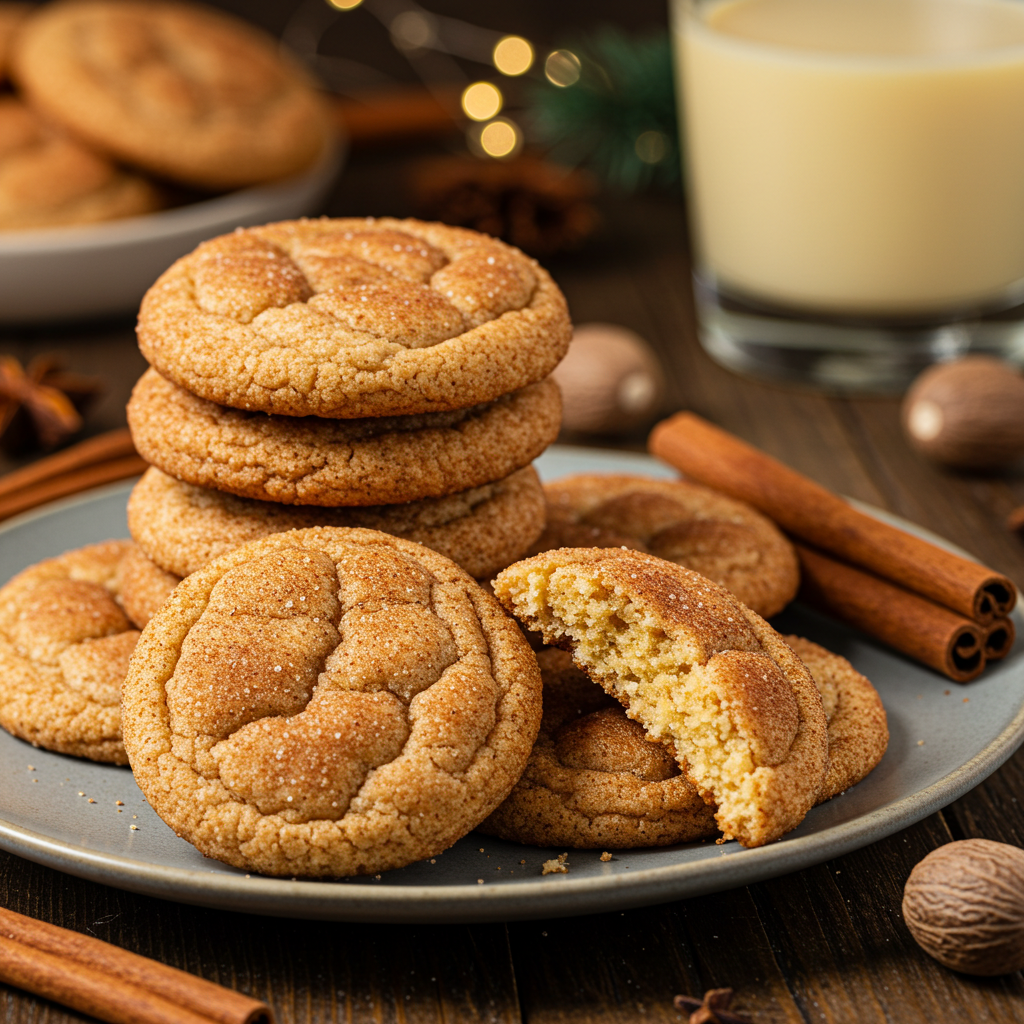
[{"x": 860, "y": 157}]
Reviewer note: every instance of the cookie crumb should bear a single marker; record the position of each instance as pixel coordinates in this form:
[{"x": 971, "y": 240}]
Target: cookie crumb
[
  {"x": 605, "y": 857},
  {"x": 556, "y": 866},
  {"x": 479, "y": 881},
  {"x": 134, "y": 828},
  {"x": 90, "y": 800},
  {"x": 920, "y": 743},
  {"x": 119, "y": 803}
]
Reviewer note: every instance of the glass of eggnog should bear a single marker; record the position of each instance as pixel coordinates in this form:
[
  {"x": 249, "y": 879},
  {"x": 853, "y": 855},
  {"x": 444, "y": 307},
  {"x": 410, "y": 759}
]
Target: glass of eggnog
[{"x": 855, "y": 175}]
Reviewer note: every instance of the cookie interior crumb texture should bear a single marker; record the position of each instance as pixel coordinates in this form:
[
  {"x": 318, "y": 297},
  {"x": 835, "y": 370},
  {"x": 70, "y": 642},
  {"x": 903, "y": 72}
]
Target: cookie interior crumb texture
[
  {"x": 695, "y": 668},
  {"x": 329, "y": 702},
  {"x": 595, "y": 780}
]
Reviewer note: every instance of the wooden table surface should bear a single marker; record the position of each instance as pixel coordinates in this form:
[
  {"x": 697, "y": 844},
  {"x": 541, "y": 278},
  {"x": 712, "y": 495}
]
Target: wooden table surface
[{"x": 824, "y": 944}]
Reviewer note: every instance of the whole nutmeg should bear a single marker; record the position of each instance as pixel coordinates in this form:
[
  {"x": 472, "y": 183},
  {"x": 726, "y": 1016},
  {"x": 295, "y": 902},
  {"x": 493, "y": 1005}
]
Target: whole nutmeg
[
  {"x": 964, "y": 903},
  {"x": 611, "y": 381},
  {"x": 968, "y": 414}
]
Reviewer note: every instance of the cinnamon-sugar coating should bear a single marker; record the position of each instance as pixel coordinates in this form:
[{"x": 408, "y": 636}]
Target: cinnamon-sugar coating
[
  {"x": 594, "y": 780},
  {"x": 329, "y": 702},
  {"x": 184, "y": 91},
  {"x": 694, "y": 526},
  {"x": 354, "y": 318},
  {"x": 695, "y": 668},
  {"x": 858, "y": 732},
  {"x": 311, "y": 461},
  {"x": 182, "y": 527},
  {"x": 64, "y": 648},
  {"x": 144, "y": 586},
  {"x": 48, "y": 179}
]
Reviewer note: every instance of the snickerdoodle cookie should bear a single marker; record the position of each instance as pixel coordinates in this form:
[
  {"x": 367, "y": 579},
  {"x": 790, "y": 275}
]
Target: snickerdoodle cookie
[
  {"x": 183, "y": 91},
  {"x": 311, "y": 461},
  {"x": 182, "y": 527},
  {"x": 695, "y": 668},
  {"x": 329, "y": 702},
  {"x": 594, "y": 780},
  {"x": 48, "y": 179},
  {"x": 144, "y": 586},
  {"x": 858, "y": 732},
  {"x": 64, "y": 649},
  {"x": 11, "y": 16},
  {"x": 354, "y": 318},
  {"x": 694, "y": 526}
]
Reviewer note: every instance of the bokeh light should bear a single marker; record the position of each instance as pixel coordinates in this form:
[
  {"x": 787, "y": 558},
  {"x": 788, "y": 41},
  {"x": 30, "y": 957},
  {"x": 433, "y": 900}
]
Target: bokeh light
[
  {"x": 344, "y": 5},
  {"x": 651, "y": 146},
  {"x": 481, "y": 101},
  {"x": 513, "y": 55},
  {"x": 412, "y": 30},
  {"x": 498, "y": 138},
  {"x": 562, "y": 68}
]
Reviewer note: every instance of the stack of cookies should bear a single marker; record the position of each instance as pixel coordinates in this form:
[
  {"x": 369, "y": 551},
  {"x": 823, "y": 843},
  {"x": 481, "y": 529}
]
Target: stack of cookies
[
  {"x": 369, "y": 373},
  {"x": 116, "y": 99}
]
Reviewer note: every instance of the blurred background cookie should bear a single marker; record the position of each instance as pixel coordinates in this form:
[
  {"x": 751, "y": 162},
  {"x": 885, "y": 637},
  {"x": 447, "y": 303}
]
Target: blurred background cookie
[
  {"x": 183, "y": 91},
  {"x": 48, "y": 179},
  {"x": 11, "y": 15}
]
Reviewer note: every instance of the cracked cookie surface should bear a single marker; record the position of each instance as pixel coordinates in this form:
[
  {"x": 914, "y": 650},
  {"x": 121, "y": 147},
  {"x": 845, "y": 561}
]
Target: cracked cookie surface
[
  {"x": 311, "y": 461},
  {"x": 594, "y": 780},
  {"x": 693, "y": 526},
  {"x": 354, "y": 318},
  {"x": 64, "y": 648},
  {"x": 695, "y": 668},
  {"x": 183, "y": 91},
  {"x": 182, "y": 527},
  {"x": 329, "y": 702},
  {"x": 858, "y": 732}
]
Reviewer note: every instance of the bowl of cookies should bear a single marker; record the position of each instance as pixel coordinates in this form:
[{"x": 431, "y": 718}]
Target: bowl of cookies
[{"x": 129, "y": 133}]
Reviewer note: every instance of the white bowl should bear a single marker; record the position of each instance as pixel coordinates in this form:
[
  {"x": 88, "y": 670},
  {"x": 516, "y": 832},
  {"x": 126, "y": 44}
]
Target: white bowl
[{"x": 102, "y": 269}]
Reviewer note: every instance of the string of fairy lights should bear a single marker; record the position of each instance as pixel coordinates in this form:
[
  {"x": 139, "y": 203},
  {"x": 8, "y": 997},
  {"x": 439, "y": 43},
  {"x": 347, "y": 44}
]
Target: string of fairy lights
[{"x": 430, "y": 42}]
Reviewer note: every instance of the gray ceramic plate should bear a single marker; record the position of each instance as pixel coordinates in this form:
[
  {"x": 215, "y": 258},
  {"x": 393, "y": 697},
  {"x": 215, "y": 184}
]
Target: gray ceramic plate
[{"x": 46, "y": 816}]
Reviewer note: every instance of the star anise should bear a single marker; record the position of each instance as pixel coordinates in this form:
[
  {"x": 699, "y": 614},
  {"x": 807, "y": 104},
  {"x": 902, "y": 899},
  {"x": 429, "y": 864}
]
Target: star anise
[
  {"x": 712, "y": 1009},
  {"x": 41, "y": 404}
]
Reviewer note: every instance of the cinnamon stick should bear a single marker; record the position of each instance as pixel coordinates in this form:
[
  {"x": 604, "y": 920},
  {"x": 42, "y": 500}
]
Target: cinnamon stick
[
  {"x": 71, "y": 483},
  {"x": 809, "y": 512},
  {"x": 999, "y": 638},
  {"x": 111, "y": 445},
  {"x": 110, "y": 983},
  {"x": 398, "y": 114},
  {"x": 922, "y": 629}
]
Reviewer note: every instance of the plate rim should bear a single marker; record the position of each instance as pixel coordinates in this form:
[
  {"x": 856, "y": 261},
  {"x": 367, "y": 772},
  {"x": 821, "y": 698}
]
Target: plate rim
[
  {"x": 536, "y": 898},
  {"x": 163, "y": 224}
]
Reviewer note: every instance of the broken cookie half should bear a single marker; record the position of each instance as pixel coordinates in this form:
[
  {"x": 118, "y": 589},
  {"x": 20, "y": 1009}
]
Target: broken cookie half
[{"x": 697, "y": 669}]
